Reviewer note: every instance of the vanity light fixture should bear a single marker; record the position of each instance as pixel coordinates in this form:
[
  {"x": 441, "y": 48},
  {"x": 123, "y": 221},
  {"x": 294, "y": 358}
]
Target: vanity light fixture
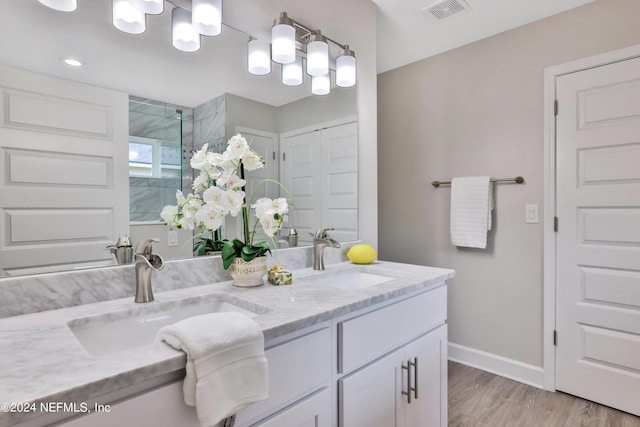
[
  {"x": 292, "y": 73},
  {"x": 61, "y": 5},
  {"x": 321, "y": 85},
  {"x": 183, "y": 36},
  {"x": 283, "y": 39},
  {"x": 317, "y": 55},
  {"x": 259, "y": 59},
  {"x": 127, "y": 18},
  {"x": 189, "y": 18},
  {"x": 150, "y": 7},
  {"x": 346, "y": 67},
  {"x": 288, "y": 37},
  {"x": 207, "y": 16}
]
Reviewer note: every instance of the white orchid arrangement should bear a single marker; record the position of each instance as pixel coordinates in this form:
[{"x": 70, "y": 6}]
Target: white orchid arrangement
[{"x": 219, "y": 191}]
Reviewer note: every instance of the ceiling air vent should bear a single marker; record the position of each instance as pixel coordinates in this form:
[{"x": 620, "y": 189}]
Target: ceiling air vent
[{"x": 445, "y": 9}]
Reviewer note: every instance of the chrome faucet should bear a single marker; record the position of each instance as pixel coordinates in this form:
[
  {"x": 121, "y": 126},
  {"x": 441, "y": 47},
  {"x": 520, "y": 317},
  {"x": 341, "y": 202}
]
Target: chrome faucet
[
  {"x": 320, "y": 241},
  {"x": 146, "y": 263}
]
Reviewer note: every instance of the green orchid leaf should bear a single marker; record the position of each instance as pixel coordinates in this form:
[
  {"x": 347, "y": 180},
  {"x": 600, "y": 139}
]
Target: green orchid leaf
[
  {"x": 201, "y": 249},
  {"x": 229, "y": 253}
]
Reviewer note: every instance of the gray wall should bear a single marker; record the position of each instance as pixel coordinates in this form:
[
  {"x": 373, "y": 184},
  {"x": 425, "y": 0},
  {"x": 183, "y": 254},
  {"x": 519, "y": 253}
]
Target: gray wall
[
  {"x": 478, "y": 110},
  {"x": 312, "y": 110},
  {"x": 250, "y": 114}
]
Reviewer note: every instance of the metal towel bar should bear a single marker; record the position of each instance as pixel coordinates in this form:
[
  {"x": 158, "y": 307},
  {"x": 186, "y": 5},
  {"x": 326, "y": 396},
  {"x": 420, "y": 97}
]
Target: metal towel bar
[{"x": 517, "y": 180}]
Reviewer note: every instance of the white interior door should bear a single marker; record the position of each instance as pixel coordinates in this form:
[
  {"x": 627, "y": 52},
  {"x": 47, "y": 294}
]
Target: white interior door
[
  {"x": 598, "y": 240},
  {"x": 64, "y": 179},
  {"x": 300, "y": 170},
  {"x": 320, "y": 169},
  {"x": 340, "y": 166},
  {"x": 265, "y": 144}
]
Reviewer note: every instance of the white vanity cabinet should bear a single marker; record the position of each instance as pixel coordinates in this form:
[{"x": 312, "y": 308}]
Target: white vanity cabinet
[
  {"x": 382, "y": 366},
  {"x": 407, "y": 388},
  {"x": 299, "y": 380},
  {"x": 406, "y": 384}
]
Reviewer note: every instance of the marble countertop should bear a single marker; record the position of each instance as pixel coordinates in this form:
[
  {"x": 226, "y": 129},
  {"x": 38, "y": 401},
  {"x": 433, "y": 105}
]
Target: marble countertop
[{"x": 42, "y": 361}]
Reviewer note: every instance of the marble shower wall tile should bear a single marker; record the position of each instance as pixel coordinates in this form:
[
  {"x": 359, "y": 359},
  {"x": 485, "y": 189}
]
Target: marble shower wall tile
[{"x": 209, "y": 122}]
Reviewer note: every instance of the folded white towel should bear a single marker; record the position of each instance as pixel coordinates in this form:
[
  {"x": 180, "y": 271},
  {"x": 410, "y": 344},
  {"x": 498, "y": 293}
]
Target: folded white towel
[
  {"x": 226, "y": 365},
  {"x": 471, "y": 205}
]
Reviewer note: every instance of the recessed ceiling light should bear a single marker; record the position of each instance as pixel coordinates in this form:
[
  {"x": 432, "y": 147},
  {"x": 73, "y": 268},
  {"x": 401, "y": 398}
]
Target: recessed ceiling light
[{"x": 72, "y": 62}]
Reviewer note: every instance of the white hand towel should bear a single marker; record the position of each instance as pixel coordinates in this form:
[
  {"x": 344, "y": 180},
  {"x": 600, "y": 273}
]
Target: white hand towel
[
  {"x": 226, "y": 365},
  {"x": 471, "y": 204}
]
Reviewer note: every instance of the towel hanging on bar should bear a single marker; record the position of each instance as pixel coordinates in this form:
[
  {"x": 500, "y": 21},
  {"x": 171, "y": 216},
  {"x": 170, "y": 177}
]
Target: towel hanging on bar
[{"x": 471, "y": 204}]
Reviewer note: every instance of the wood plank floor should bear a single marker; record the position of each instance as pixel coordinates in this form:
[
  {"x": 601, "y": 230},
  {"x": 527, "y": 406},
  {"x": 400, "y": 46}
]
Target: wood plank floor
[{"x": 481, "y": 399}]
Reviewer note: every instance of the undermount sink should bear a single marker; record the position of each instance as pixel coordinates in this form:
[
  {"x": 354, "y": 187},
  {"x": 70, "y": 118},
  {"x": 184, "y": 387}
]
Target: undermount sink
[
  {"x": 352, "y": 278},
  {"x": 137, "y": 327}
]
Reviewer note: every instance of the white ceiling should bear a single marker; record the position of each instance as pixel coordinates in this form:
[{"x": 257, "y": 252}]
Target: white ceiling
[
  {"x": 405, "y": 35},
  {"x": 35, "y": 37}
]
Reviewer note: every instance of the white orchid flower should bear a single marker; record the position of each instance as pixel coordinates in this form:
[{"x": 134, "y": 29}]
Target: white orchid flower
[
  {"x": 199, "y": 159},
  {"x": 169, "y": 214},
  {"x": 211, "y": 216},
  {"x": 252, "y": 161},
  {"x": 237, "y": 147}
]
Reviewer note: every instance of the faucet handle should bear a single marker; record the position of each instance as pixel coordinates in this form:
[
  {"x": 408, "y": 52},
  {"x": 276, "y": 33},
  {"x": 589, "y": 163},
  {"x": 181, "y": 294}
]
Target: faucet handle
[
  {"x": 321, "y": 233},
  {"x": 146, "y": 246}
]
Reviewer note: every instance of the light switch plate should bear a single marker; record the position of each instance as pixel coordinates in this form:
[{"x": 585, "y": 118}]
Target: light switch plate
[
  {"x": 531, "y": 214},
  {"x": 172, "y": 238}
]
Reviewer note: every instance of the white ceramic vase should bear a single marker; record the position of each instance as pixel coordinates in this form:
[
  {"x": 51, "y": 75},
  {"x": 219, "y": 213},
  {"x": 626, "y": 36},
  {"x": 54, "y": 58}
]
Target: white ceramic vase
[{"x": 248, "y": 274}]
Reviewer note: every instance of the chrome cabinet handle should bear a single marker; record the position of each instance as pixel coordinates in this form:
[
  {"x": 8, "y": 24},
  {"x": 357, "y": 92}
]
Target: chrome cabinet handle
[
  {"x": 415, "y": 377},
  {"x": 409, "y": 388}
]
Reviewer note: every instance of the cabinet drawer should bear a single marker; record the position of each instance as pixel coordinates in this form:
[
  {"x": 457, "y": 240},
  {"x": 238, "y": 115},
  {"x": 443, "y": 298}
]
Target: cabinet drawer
[
  {"x": 367, "y": 337},
  {"x": 296, "y": 369},
  {"x": 314, "y": 411}
]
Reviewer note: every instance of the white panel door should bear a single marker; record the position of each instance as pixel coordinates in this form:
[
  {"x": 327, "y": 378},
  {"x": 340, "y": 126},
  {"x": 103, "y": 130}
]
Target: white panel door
[
  {"x": 340, "y": 174},
  {"x": 320, "y": 168},
  {"x": 300, "y": 172},
  {"x": 64, "y": 182},
  {"x": 265, "y": 144},
  {"x": 598, "y": 240}
]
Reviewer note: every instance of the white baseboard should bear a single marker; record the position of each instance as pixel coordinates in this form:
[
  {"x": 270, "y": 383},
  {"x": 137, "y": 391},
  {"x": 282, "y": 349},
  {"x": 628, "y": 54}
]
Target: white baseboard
[{"x": 505, "y": 367}]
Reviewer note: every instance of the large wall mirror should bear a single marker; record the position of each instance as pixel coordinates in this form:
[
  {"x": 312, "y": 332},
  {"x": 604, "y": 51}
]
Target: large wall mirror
[{"x": 209, "y": 94}]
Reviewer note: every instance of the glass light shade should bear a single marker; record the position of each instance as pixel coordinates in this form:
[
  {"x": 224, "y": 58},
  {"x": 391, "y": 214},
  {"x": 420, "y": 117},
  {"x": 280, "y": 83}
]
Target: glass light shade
[
  {"x": 259, "y": 58},
  {"x": 128, "y": 19},
  {"x": 321, "y": 85},
  {"x": 61, "y": 5},
  {"x": 346, "y": 70},
  {"x": 207, "y": 16},
  {"x": 152, "y": 7},
  {"x": 317, "y": 57},
  {"x": 292, "y": 73},
  {"x": 283, "y": 41},
  {"x": 183, "y": 36}
]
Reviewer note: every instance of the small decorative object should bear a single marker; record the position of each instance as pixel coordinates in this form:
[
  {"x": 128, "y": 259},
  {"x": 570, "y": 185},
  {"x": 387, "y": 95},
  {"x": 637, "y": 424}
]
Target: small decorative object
[
  {"x": 221, "y": 184},
  {"x": 362, "y": 254},
  {"x": 279, "y": 275}
]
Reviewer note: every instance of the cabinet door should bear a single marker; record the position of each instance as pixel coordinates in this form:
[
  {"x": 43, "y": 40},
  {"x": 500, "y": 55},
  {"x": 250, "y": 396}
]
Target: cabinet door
[
  {"x": 314, "y": 411},
  {"x": 370, "y": 397},
  {"x": 428, "y": 407}
]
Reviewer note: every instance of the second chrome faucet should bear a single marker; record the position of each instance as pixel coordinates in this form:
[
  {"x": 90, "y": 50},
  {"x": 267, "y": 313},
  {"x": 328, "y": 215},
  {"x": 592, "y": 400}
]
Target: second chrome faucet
[
  {"x": 146, "y": 263},
  {"x": 320, "y": 241}
]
